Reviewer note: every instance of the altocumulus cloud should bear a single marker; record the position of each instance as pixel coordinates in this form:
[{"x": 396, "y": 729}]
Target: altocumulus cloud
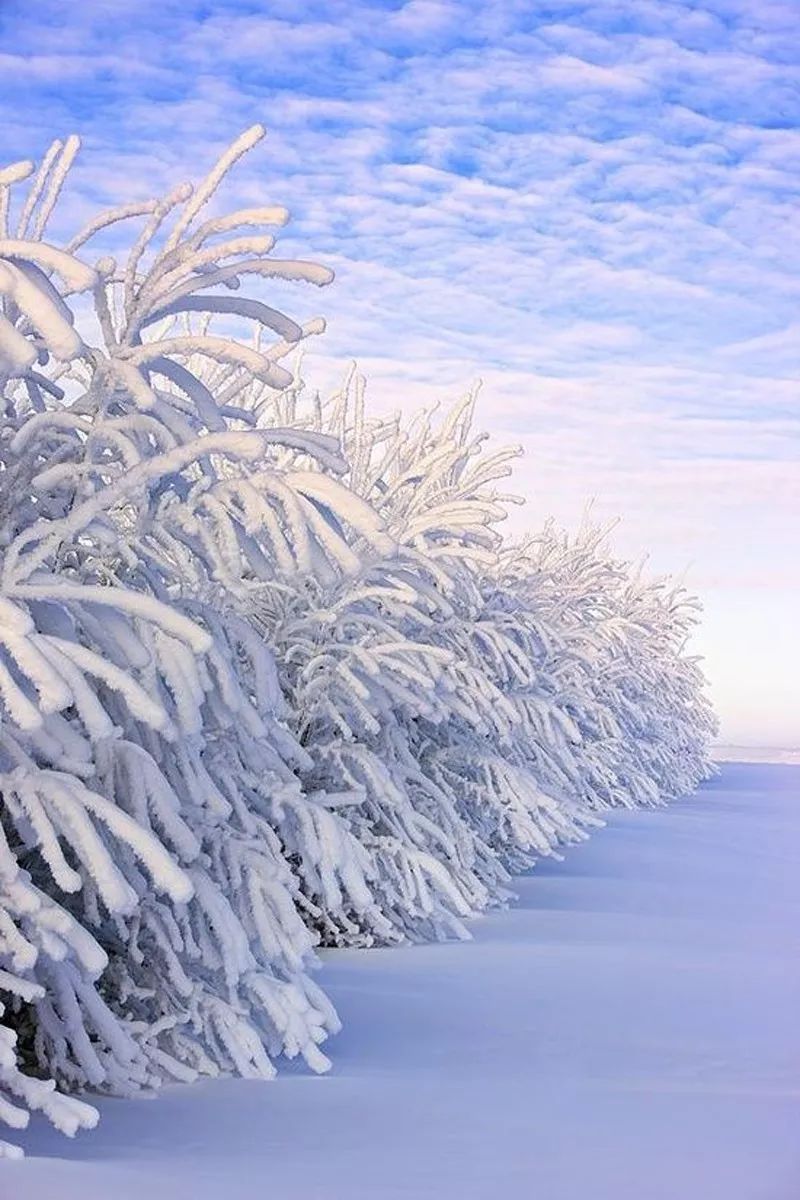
[{"x": 592, "y": 207}]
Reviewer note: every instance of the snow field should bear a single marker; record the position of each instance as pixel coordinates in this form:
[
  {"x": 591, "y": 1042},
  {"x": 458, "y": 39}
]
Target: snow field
[{"x": 627, "y": 1031}]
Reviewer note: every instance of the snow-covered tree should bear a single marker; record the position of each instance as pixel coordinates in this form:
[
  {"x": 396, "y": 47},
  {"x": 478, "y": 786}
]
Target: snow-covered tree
[
  {"x": 480, "y": 737},
  {"x": 112, "y": 455},
  {"x": 270, "y": 676}
]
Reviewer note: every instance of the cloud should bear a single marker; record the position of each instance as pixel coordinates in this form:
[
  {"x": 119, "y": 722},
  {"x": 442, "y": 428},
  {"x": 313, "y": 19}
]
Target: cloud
[
  {"x": 777, "y": 345},
  {"x": 591, "y": 206}
]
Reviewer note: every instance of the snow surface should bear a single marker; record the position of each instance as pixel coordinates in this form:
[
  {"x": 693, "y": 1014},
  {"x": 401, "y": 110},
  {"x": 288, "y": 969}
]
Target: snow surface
[{"x": 628, "y": 1031}]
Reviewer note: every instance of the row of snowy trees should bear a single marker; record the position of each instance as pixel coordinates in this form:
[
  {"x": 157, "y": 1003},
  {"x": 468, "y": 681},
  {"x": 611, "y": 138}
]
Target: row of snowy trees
[{"x": 270, "y": 678}]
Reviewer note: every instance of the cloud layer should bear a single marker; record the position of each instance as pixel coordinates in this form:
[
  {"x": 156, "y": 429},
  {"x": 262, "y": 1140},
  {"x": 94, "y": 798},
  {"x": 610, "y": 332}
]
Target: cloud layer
[{"x": 592, "y": 207}]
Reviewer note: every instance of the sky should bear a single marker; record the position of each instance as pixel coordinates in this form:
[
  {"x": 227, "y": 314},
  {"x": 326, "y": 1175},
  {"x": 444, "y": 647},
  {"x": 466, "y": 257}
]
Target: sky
[{"x": 590, "y": 207}]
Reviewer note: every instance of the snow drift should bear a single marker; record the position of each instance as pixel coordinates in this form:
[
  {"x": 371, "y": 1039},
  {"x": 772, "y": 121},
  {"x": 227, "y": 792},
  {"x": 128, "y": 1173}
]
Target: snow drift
[{"x": 270, "y": 677}]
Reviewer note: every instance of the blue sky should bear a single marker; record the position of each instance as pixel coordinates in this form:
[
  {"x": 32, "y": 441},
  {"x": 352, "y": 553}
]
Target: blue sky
[{"x": 592, "y": 207}]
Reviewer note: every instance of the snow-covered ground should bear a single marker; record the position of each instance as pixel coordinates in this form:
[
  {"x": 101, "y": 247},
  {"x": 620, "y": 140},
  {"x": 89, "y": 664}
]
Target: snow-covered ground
[{"x": 629, "y": 1031}]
